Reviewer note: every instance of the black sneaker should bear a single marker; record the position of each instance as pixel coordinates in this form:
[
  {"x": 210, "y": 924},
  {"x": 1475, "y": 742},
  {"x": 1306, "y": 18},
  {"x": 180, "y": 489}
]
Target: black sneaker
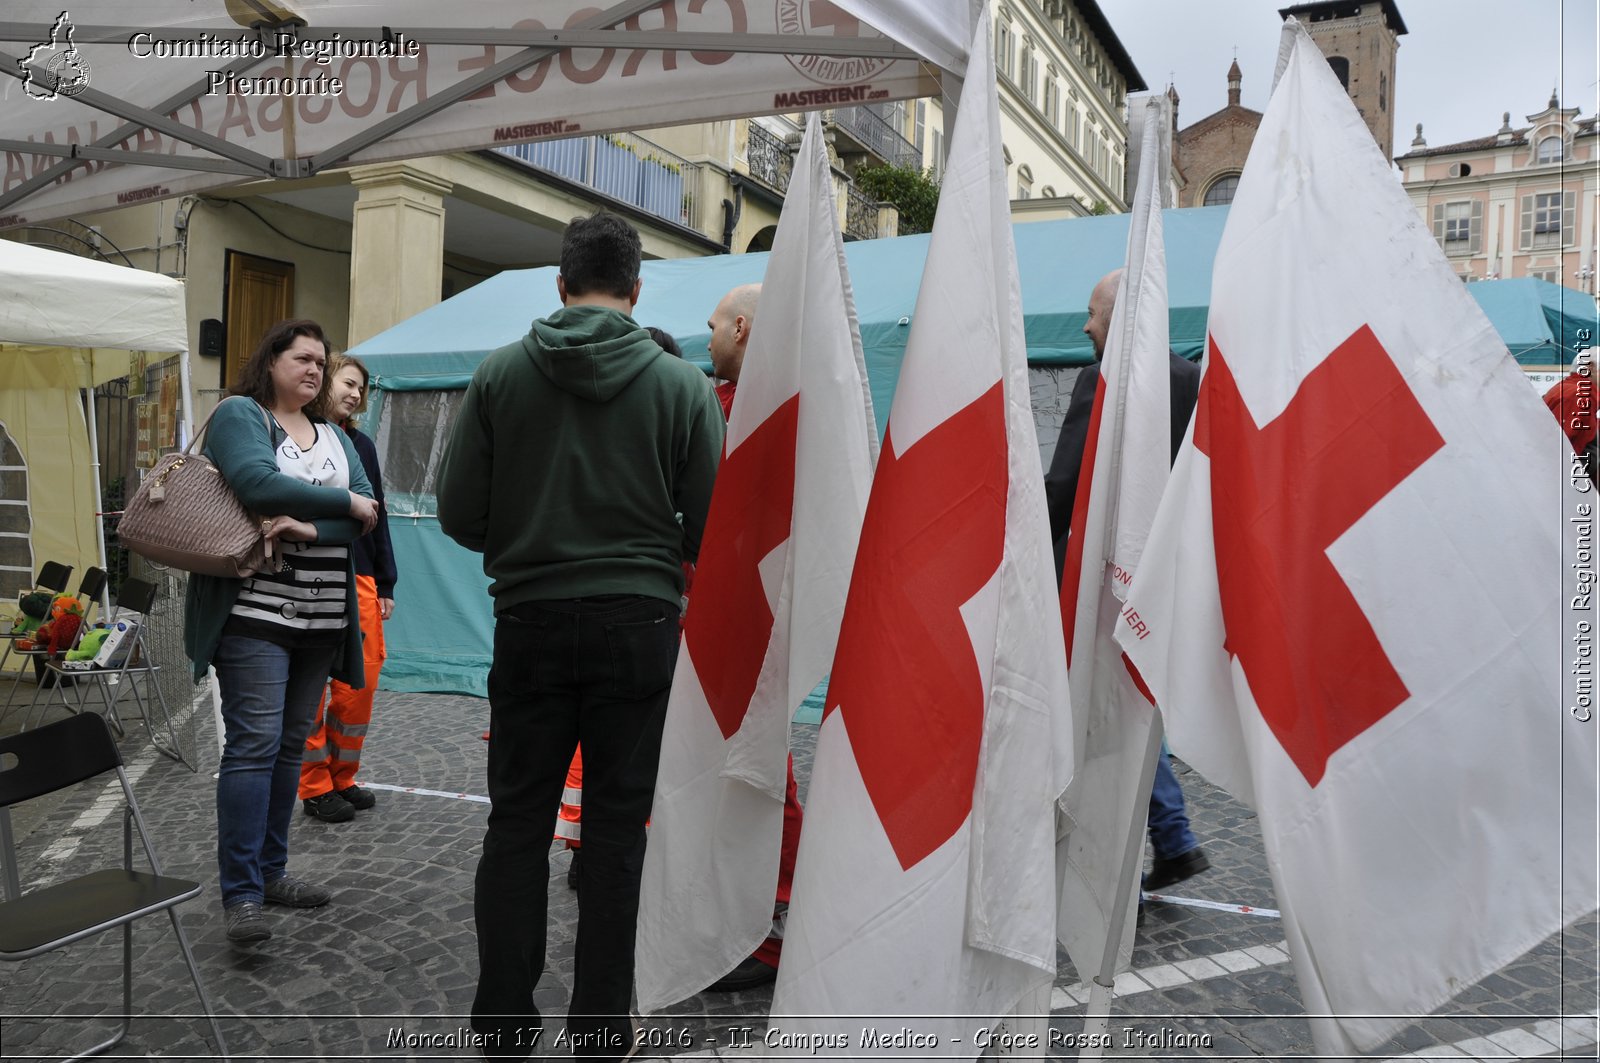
[
  {"x": 330, "y": 808},
  {"x": 1169, "y": 870},
  {"x": 359, "y": 797},
  {"x": 295, "y": 893},
  {"x": 750, "y": 973},
  {"x": 246, "y": 925}
]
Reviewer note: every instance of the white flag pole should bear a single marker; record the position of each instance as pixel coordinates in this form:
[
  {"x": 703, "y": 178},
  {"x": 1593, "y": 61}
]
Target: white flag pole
[
  {"x": 1097, "y": 1017},
  {"x": 1148, "y": 139}
]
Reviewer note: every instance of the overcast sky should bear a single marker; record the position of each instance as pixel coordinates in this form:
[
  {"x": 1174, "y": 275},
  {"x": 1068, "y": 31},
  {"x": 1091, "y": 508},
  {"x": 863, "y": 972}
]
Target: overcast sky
[{"x": 1462, "y": 63}]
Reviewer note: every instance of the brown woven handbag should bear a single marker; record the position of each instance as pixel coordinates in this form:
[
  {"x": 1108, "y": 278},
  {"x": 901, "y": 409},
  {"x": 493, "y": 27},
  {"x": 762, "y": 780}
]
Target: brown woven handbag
[{"x": 186, "y": 516}]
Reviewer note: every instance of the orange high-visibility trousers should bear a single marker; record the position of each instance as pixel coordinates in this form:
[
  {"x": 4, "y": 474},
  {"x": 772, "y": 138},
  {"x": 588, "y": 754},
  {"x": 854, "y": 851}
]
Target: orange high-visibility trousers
[
  {"x": 569, "y": 818},
  {"x": 333, "y": 749}
]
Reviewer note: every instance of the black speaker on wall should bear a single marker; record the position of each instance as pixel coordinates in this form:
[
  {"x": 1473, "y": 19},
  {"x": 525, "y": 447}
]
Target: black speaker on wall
[{"x": 211, "y": 338}]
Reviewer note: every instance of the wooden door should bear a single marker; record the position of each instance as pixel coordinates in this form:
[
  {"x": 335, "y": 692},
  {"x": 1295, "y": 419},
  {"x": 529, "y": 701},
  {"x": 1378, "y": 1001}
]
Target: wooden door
[{"x": 260, "y": 293}]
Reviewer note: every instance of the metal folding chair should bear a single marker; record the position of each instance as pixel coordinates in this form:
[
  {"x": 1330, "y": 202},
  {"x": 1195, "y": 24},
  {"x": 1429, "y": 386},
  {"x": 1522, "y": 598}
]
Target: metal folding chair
[
  {"x": 53, "y": 577},
  {"x": 137, "y": 668},
  {"x": 53, "y": 758},
  {"x": 90, "y": 588}
]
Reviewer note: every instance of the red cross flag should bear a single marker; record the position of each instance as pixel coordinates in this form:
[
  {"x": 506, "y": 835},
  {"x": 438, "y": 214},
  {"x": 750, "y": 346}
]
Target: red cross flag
[
  {"x": 1124, "y": 472},
  {"x": 1357, "y": 608},
  {"x": 764, "y": 614},
  {"x": 925, "y": 880}
]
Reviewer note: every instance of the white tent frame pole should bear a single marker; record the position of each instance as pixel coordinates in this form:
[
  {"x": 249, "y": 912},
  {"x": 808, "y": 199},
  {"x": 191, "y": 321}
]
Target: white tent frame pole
[
  {"x": 92, "y": 417},
  {"x": 186, "y": 425},
  {"x": 131, "y": 158},
  {"x": 594, "y": 35},
  {"x": 121, "y": 133},
  {"x": 104, "y": 101},
  {"x": 433, "y": 104},
  {"x": 1097, "y": 1017}
]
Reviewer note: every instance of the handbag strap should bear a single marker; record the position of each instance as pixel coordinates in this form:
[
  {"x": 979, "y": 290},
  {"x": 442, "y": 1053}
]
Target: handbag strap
[{"x": 267, "y": 424}]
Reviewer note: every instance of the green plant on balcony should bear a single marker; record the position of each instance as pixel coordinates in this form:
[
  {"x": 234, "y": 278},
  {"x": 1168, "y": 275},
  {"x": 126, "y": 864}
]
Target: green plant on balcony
[{"x": 913, "y": 192}]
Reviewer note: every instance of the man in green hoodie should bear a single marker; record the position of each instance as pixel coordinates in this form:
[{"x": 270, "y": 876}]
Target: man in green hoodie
[{"x": 580, "y": 465}]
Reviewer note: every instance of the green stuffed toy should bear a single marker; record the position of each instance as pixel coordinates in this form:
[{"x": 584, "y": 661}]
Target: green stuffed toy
[
  {"x": 89, "y": 645},
  {"x": 34, "y": 611}
]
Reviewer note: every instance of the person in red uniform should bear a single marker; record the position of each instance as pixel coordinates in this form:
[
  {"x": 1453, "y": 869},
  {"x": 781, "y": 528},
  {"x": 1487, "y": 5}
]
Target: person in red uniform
[
  {"x": 730, "y": 326},
  {"x": 1572, "y": 401}
]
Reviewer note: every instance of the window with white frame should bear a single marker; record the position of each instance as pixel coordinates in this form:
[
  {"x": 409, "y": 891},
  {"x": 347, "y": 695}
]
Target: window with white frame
[
  {"x": 936, "y": 155},
  {"x": 1551, "y": 275},
  {"x": 1551, "y": 149},
  {"x": 920, "y": 124},
  {"x": 16, "y": 520},
  {"x": 1458, "y": 226},
  {"x": 1024, "y": 182},
  {"x": 1052, "y": 101},
  {"x": 1547, "y": 219},
  {"x": 1003, "y": 51},
  {"x": 1072, "y": 127},
  {"x": 1025, "y": 78}
]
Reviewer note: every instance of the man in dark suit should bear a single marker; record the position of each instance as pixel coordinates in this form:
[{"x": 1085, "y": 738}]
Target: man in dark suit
[{"x": 1177, "y": 853}]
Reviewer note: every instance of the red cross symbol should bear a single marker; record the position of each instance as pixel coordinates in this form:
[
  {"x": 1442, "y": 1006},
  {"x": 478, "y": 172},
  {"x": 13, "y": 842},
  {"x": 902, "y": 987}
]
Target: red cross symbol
[
  {"x": 906, "y": 677},
  {"x": 1280, "y": 496},
  {"x": 729, "y": 622}
]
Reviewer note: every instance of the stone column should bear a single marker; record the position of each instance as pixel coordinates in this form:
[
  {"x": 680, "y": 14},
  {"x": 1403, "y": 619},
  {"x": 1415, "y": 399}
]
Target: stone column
[{"x": 396, "y": 245}]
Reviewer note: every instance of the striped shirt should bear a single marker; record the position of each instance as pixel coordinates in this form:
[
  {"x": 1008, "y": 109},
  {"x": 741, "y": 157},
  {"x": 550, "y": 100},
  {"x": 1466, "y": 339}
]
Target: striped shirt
[{"x": 304, "y": 601}]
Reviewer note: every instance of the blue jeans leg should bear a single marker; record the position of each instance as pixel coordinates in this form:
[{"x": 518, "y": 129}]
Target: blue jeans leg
[
  {"x": 269, "y": 696},
  {"x": 1169, "y": 822}
]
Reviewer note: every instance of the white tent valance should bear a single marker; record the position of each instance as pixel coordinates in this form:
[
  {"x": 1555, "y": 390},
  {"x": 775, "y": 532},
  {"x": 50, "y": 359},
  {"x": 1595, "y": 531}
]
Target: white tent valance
[
  {"x": 52, "y": 300},
  {"x": 124, "y": 101}
]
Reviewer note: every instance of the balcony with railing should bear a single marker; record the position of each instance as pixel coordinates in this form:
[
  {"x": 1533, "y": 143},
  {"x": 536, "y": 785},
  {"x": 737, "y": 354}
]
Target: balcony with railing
[
  {"x": 868, "y": 129},
  {"x": 623, "y": 166},
  {"x": 771, "y": 158},
  {"x": 860, "y": 214}
]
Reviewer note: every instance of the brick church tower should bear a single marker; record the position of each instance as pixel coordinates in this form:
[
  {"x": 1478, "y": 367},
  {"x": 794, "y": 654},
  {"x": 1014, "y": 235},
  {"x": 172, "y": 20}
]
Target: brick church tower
[{"x": 1360, "y": 40}]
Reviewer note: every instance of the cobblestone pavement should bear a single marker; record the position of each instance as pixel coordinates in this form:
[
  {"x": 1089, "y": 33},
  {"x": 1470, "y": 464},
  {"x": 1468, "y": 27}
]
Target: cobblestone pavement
[{"x": 388, "y": 970}]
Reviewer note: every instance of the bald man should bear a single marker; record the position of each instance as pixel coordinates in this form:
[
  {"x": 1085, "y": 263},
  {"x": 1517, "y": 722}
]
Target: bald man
[
  {"x": 1177, "y": 853},
  {"x": 730, "y": 326}
]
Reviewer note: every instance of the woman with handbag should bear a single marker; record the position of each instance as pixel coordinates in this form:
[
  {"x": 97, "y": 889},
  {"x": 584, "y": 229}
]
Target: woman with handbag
[
  {"x": 274, "y": 637},
  {"x": 328, "y": 788}
]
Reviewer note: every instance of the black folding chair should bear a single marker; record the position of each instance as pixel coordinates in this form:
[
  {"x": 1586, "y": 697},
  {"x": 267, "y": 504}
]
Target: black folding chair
[
  {"x": 53, "y": 577},
  {"x": 51, "y": 917},
  {"x": 90, "y": 588}
]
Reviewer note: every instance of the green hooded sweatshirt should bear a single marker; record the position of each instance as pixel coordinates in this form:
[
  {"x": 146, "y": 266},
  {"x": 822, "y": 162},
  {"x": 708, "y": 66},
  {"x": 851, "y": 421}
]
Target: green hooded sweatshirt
[{"x": 581, "y": 462}]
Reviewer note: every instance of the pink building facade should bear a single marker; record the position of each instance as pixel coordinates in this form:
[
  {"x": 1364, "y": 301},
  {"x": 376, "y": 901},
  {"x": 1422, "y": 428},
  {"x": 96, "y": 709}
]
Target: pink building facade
[{"x": 1519, "y": 203}]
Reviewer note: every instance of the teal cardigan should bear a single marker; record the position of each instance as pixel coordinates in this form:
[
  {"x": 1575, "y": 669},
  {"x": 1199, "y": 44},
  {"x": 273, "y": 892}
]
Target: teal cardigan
[{"x": 242, "y": 447}]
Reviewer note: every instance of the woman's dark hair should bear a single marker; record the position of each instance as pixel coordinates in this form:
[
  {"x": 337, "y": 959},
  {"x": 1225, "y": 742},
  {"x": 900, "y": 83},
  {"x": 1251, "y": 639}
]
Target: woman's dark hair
[
  {"x": 665, "y": 341},
  {"x": 600, "y": 254},
  {"x": 255, "y": 379}
]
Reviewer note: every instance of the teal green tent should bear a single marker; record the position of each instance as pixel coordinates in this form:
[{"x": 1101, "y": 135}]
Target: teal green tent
[{"x": 439, "y": 639}]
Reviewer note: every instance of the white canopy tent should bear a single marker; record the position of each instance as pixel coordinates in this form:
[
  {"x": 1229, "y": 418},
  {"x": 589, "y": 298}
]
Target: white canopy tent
[
  {"x": 68, "y": 324},
  {"x": 124, "y": 101}
]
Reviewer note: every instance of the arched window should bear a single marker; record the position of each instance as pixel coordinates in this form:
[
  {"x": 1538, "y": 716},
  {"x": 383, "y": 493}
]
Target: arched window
[
  {"x": 16, "y": 522},
  {"x": 1341, "y": 70},
  {"x": 1221, "y": 192},
  {"x": 1024, "y": 182},
  {"x": 1551, "y": 149}
]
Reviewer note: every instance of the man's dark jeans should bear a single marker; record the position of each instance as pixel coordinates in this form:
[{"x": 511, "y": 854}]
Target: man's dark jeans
[{"x": 595, "y": 670}]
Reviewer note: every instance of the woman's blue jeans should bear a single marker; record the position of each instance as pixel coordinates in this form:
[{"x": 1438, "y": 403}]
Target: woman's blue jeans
[{"x": 269, "y": 697}]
